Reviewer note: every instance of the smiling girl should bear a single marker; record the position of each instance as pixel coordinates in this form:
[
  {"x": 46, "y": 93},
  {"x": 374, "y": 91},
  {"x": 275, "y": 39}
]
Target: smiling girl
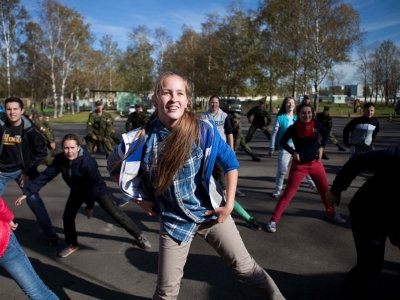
[
  {"x": 166, "y": 169},
  {"x": 80, "y": 172},
  {"x": 307, "y": 154}
]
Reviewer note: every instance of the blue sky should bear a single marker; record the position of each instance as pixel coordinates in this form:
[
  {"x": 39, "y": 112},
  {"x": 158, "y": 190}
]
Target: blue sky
[{"x": 380, "y": 18}]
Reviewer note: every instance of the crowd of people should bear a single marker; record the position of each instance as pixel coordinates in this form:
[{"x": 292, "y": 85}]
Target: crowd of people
[{"x": 182, "y": 168}]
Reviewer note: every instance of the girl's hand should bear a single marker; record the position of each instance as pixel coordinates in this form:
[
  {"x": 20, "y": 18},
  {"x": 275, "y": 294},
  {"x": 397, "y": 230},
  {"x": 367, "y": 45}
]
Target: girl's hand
[
  {"x": 222, "y": 212},
  {"x": 270, "y": 153},
  {"x": 331, "y": 198},
  {"x": 320, "y": 153},
  {"x": 296, "y": 156},
  {"x": 89, "y": 213},
  {"x": 13, "y": 225},
  {"x": 23, "y": 179},
  {"x": 18, "y": 202},
  {"x": 147, "y": 206}
]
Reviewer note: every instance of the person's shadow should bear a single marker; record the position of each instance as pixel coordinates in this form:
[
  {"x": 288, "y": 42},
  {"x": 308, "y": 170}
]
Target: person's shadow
[{"x": 58, "y": 280}]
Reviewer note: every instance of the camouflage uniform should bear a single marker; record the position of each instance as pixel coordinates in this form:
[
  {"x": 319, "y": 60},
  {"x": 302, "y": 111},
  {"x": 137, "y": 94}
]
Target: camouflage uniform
[
  {"x": 136, "y": 119},
  {"x": 114, "y": 138},
  {"x": 326, "y": 121},
  {"x": 99, "y": 126},
  {"x": 238, "y": 138},
  {"x": 258, "y": 122},
  {"x": 49, "y": 137}
]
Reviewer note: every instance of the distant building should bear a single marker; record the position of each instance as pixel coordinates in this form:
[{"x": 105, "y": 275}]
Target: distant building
[
  {"x": 354, "y": 91},
  {"x": 338, "y": 98}
]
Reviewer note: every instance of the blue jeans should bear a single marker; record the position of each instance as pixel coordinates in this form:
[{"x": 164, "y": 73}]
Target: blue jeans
[
  {"x": 17, "y": 264},
  {"x": 35, "y": 203}
]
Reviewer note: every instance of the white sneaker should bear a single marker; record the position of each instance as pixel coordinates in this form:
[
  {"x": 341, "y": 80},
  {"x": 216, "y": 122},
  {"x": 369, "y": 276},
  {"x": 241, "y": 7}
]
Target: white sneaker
[
  {"x": 313, "y": 187},
  {"x": 271, "y": 227},
  {"x": 144, "y": 242},
  {"x": 276, "y": 194},
  {"x": 337, "y": 218}
]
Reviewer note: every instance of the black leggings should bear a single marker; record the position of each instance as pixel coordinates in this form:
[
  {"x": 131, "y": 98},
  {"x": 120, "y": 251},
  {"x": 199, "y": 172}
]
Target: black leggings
[{"x": 106, "y": 202}]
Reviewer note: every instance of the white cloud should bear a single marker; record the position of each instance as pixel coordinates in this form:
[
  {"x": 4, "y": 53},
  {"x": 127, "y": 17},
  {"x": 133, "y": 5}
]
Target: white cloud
[
  {"x": 382, "y": 24},
  {"x": 99, "y": 28}
]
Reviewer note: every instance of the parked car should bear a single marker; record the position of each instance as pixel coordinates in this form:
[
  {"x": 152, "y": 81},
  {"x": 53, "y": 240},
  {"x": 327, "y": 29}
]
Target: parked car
[
  {"x": 150, "y": 111},
  {"x": 397, "y": 107},
  {"x": 230, "y": 105},
  {"x": 132, "y": 108}
]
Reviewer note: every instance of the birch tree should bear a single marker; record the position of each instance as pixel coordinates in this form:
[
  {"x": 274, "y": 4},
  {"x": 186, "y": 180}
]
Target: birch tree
[
  {"x": 332, "y": 29},
  {"x": 13, "y": 17},
  {"x": 66, "y": 35}
]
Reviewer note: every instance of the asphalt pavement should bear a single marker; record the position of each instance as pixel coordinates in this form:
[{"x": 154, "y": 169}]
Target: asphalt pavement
[{"x": 308, "y": 257}]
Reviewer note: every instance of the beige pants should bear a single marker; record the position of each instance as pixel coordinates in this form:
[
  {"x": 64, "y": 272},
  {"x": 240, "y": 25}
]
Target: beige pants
[{"x": 226, "y": 240}]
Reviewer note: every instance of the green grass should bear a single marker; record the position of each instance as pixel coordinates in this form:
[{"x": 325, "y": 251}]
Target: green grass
[{"x": 80, "y": 117}]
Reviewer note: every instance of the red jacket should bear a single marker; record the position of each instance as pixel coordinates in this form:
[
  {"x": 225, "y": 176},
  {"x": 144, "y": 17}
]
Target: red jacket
[{"x": 6, "y": 216}]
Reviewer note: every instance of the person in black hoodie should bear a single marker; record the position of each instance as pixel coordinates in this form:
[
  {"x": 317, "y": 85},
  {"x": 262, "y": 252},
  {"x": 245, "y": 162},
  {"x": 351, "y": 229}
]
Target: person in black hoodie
[
  {"x": 80, "y": 172},
  {"x": 22, "y": 149},
  {"x": 307, "y": 154},
  {"x": 375, "y": 199}
]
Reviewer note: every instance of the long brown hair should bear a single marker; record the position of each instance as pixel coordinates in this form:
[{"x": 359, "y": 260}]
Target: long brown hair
[{"x": 176, "y": 148}]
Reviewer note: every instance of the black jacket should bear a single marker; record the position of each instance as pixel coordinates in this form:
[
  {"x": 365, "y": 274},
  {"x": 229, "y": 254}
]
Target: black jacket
[
  {"x": 363, "y": 131},
  {"x": 377, "y": 198},
  {"x": 33, "y": 148},
  {"x": 81, "y": 175},
  {"x": 306, "y": 147}
]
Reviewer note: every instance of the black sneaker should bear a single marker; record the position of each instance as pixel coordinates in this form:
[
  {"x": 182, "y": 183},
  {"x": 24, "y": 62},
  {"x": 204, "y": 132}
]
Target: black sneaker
[
  {"x": 253, "y": 224},
  {"x": 67, "y": 250},
  {"x": 53, "y": 239}
]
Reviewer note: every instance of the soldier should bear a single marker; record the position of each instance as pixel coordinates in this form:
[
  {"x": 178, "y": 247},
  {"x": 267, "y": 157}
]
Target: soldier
[
  {"x": 114, "y": 138},
  {"x": 98, "y": 129},
  {"x": 238, "y": 138},
  {"x": 259, "y": 114},
  {"x": 326, "y": 120},
  {"x": 48, "y": 135},
  {"x": 137, "y": 118}
]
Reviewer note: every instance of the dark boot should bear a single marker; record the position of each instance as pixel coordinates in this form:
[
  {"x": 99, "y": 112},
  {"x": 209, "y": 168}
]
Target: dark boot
[
  {"x": 324, "y": 156},
  {"x": 340, "y": 148},
  {"x": 254, "y": 158}
]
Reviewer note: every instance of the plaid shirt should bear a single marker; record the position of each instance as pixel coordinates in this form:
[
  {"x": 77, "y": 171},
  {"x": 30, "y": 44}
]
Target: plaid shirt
[{"x": 183, "y": 205}]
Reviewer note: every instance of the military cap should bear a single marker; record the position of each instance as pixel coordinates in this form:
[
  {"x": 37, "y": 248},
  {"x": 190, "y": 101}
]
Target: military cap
[
  {"x": 236, "y": 117},
  {"x": 326, "y": 108},
  {"x": 40, "y": 114},
  {"x": 98, "y": 103},
  {"x": 137, "y": 105}
]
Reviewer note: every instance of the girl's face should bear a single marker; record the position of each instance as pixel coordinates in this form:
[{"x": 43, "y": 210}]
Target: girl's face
[
  {"x": 172, "y": 101},
  {"x": 306, "y": 114},
  {"x": 290, "y": 105},
  {"x": 71, "y": 149},
  {"x": 214, "y": 105}
]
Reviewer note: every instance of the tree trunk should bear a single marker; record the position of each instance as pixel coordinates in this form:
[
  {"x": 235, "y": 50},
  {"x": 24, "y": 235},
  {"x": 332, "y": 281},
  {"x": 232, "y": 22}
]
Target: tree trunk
[
  {"x": 8, "y": 71},
  {"x": 60, "y": 114}
]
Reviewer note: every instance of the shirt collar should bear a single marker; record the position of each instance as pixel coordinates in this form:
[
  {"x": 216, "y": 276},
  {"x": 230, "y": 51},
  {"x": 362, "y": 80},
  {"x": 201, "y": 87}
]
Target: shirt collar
[{"x": 162, "y": 131}]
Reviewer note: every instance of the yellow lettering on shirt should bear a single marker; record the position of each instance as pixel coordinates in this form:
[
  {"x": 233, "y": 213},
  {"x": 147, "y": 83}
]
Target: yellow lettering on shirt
[{"x": 12, "y": 140}]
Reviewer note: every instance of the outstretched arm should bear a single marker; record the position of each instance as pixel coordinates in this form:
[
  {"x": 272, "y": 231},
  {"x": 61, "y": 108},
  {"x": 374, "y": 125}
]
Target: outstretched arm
[
  {"x": 18, "y": 202},
  {"x": 369, "y": 161}
]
